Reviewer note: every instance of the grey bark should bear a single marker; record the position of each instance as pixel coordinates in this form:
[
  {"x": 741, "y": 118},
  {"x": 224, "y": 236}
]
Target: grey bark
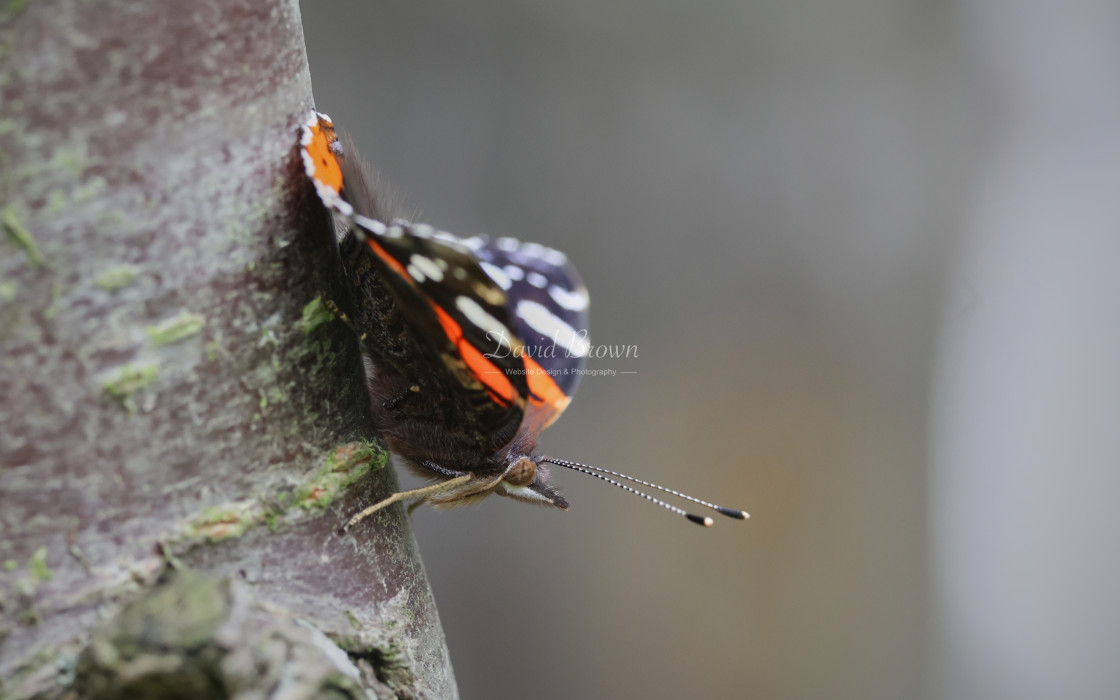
[{"x": 172, "y": 389}]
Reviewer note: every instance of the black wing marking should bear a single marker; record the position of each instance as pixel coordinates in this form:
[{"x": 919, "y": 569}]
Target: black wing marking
[
  {"x": 404, "y": 334},
  {"x": 426, "y": 269},
  {"x": 465, "y": 301}
]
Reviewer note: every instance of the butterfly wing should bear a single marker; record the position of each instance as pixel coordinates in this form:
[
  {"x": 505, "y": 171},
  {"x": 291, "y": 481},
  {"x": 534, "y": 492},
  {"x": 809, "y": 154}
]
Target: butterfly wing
[
  {"x": 429, "y": 311},
  {"x": 507, "y": 319},
  {"x": 548, "y": 303}
]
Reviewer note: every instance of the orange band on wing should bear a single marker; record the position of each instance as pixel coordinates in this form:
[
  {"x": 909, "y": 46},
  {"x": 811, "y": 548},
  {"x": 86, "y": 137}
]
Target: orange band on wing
[
  {"x": 547, "y": 400},
  {"x": 544, "y": 387},
  {"x": 483, "y": 369},
  {"x": 327, "y": 169},
  {"x": 388, "y": 259}
]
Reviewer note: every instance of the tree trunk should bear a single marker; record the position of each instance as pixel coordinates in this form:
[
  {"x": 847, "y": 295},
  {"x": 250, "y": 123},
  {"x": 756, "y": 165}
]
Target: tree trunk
[{"x": 174, "y": 393}]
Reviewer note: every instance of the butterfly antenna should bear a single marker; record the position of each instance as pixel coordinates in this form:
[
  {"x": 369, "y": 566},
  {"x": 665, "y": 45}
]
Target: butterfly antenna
[{"x": 600, "y": 473}]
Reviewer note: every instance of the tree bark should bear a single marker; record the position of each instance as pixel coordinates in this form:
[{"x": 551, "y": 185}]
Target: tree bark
[{"x": 174, "y": 394}]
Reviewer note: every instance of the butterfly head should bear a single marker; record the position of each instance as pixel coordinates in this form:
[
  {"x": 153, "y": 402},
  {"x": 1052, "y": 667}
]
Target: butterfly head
[
  {"x": 518, "y": 476},
  {"x": 526, "y": 479}
]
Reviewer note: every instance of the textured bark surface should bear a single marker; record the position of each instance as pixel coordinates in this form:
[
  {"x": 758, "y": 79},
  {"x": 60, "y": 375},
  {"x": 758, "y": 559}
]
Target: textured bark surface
[{"x": 171, "y": 387}]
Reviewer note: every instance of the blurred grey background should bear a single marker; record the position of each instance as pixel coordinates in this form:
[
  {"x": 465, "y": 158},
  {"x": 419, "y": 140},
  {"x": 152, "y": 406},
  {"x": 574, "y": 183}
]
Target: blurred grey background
[{"x": 866, "y": 250}]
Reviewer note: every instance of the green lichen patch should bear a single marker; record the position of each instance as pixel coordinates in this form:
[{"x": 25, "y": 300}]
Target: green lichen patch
[
  {"x": 160, "y": 645},
  {"x": 352, "y": 619},
  {"x": 188, "y": 610},
  {"x": 38, "y": 566},
  {"x": 56, "y": 302},
  {"x": 315, "y": 314},
  {"x": 116, "y": 278},
  {"x": 89, "y": 190},
  {"x": 341, "y": 467},
  {"x": 316, "y": 496},
  {"x": 344, "y": 465},
  {"x": 214, "y": 348},
  {"x": 128, "y": 380},
  {"x": 19, "y": 235},
  {"x": 71, "y": 160},
  {"x": 10, "y": 565},
  {"x": 272, "y": 518},
  {"x": 223, "y": 523},
  {"x": 56, "y": 202},
  {"x": 176, "y": 328},
  {"x": 274, "y": 395},
  {"x": 8, "y": 290},
  {"x": 357, "y": 454},
  {"x": 193, "y": 636},
  {"x": 218, "y": 523},
  {"x": 386, "y": 658},
  {"x": 277, "y": 395}
]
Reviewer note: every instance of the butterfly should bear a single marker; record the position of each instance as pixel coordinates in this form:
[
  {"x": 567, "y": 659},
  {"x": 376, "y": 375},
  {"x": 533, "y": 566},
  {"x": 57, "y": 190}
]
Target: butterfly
[{"x": 473, "y": 346}]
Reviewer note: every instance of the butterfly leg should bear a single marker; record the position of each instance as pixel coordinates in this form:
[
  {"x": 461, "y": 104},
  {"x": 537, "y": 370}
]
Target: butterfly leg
[
  {"x": 442, "y": 471},
  {"x": 420, "y": 493}
]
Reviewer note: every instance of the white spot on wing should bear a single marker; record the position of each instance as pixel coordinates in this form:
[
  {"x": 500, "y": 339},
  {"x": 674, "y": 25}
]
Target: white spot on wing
[
  {"x": 540, "y": 252},
  {"x": 514, "y": 272},
  {"x": 548, "y": 324},
  {"x": 372, "y": 225},
  {"x": 496, "y": 274},
  {"x": 571, "y": 300},
  {"x": 481, "y": 318},
  {"x": 537, "y": 280},
  {"x": 475, "y": 243},
  {"x": 450, "y": 240},
  {"x": 508, "y": 244},
  {"x": 426, "y": 266},
  {"x": 554, "y": 257}
]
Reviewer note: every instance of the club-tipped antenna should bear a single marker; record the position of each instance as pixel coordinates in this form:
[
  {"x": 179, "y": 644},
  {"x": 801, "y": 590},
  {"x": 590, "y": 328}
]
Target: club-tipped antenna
[{"x": 600, "y": 473}]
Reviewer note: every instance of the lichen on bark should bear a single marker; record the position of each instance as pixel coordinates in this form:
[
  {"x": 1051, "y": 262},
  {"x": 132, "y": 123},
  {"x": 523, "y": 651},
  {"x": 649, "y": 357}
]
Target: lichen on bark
[{"x": 192, "y": 636}]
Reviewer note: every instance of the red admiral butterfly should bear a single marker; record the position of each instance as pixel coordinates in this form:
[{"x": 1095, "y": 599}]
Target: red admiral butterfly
[{"x": 473, "y": 346}]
